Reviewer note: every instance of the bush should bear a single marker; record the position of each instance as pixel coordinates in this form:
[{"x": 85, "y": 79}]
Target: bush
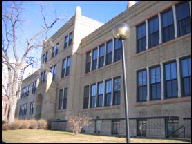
[
  {"x": 5, "y": 126},
  {"x": 25, "y": 124},
  {"x": 42, "y": 124},
  {"x": 15, "y": 125},
  {"x": 33, "y": 124}
]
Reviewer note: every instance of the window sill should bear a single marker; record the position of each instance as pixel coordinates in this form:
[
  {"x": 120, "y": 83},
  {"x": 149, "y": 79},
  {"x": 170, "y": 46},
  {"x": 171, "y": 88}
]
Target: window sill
[
  {"x": 103, "y": 108},
  {"x": 101, "y": 68},
  {"x": 162, "y": 44},
  {"x": 162, "y": 102}
]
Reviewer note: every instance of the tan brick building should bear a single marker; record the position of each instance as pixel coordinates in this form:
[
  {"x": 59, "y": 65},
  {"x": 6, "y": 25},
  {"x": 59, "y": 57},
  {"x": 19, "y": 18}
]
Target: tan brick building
[{"x": 85, "y": 77}]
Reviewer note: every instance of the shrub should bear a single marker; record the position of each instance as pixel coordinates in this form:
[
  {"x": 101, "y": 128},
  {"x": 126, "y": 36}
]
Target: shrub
[
  {"x": 33, "y": 124},
  {"x": 42, "y": 124},
  {"x": 25, "y": 124},
  {"x": 15, "y": 125},
  {"x": 5, "y": 126}
]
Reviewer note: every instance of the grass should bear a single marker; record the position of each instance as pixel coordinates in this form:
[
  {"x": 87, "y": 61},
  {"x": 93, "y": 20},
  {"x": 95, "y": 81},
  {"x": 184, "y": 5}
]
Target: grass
[{"x": 48, "y": 136}]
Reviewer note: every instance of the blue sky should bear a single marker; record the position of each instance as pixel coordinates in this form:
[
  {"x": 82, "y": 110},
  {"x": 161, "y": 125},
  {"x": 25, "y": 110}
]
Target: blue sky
[{"x": 102, "y": 11}]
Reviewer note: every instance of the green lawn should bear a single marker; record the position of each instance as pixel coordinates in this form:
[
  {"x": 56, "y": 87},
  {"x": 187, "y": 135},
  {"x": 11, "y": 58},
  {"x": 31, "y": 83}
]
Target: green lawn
[{"x": 47, "y": 136}]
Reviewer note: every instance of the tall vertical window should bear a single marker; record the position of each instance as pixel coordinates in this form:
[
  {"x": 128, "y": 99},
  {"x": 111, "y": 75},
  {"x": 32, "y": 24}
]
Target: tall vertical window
[
  {"x": 171, "y": 80},
  {"x": 168, "y": 32},
  {"x": 186, "y": 76},
  {"x": 109, "y": 52},
  {"x": 116, "y": 91},
  {"x": 88, "y": 62},
  {"x": 86, "y": 97},
  {"x": 94, "y": 59},
  {"x": 141, "y": 37},
  {"x": 55, "y": 50},
  {"x": 142, "y": 85},
  {"x": 118, "y": 50},
  {"x": 53, "y": 70},
  {"x": 66, "y": 41},
  {"x": 45, "y": 57},
  {"x": 63, "y": 70},
  {"x": 183, "y": 18},
  {"x": 93, "y": 95},
  {"x": 155, "y": 83},
  {"x": 101, "y": 55},
  {"x": 65, "y": 99},
  {"x": 141, "y": 127},
  {"x": 153, "y": 32},
  {"x": 115, "y": 127},
  {"x": 70, "y": 38},
  {"x": 100, "y": 94},
  {"x": 108, "y": 92},
  {"x": 42, "y": 76},
  {"x": 60, "y": 98},
  {"x": 31, "y": 107},
  {"x": 34, "y": 87},
  {"x": 25, "y": 109},
  {"x": 68, "y": 66}
]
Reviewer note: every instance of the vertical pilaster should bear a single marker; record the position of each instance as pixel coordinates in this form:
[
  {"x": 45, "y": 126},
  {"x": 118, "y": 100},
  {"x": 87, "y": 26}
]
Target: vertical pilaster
[
  {"x": 190, "y": 7},
  {"x": 148, "y": 85},
  {"x": 175, "y": 20},
  {"x": 113, "y": 49},
  {"x": 178, "y": 77},
  {"x": 96, "y": 95},
  {"x": 111, "y": 92},
  {"x": 105, "y": 50},
  {"x": 162, "y": 81},
  {"x": 103, "y": 104},
  {"x": 97, "y": 58},
  {"x": 160, "y": 28},
  {"x": 89, "y": 96},
  {"x": 147, "y": 34}
]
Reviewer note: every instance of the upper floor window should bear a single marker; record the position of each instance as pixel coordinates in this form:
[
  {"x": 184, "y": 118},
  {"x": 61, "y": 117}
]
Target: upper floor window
[
  {"x": 34, "y": 87},
  {"x": 66, "y": 41},
  {"x": 42, "y": 76},
  {"x": 60, "y": 98},
  {"x": 116, "y": 91},
  {"x": 93, "y": 96},
  {"x": 55, "y": 50},
  {"x": 31, "y": 107},
  {"x": 183, "y": 18},
  {"x": 118, "y": 50},
  {"x": 109, "y": 52},
  {"x": 68, "y": 65},
  {"x": 65, "y": 99},
  {"x": 141, "y": 37},
  {"x": 168, "y": 31},
  {"x": 170, "y": 80},
  {"x": 53, "y": 71},
  {"x": 142, "y": 85},
  {"x": 45, "y": 57},
  {"x": 100, "y": 94},
  {"x": 63, "y": 70},
  {"x": 25, "y": 91},
  {"x": 88, "y": 62},
  {"x": 153, "y": 32},
  {"x": 101, "y": 55},
  {"x": 155, "y": 83},
  {"x": 108, "y": 89},
  {"x": 70, "y": 38},
  {"x": 86, "y": 97},
  {"x": 186, "y": 76},
  {"x": 94, "y": 59}
]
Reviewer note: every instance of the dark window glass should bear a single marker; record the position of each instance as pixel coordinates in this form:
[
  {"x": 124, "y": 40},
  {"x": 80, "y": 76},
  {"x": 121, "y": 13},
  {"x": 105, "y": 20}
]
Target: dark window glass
[
  {"x": 34, "y": 87},
  {"x": 141, "y": 37},
  {"x": 53, "y": 70},
  {"x": 31, "y": 107},
  {"x": 100, "y": 94},
  {"x": 168, "y": 32},
  {"x": 93, "y": 96},
  {"x": 65, "y": 99},
  {"x": 108, "y": 89},
  {"x": 171, "y": 124},
  {"x": 63, "y": 70},
  {"x": 60, "y": 98},
  {"x": 70, "y": 38},
  {"x": 68, "y": 66},
  {"x": 183, "y": 18},
  {"x": 155, "y": 83},
  {"x": 66, "y": 41},
  {"x": 88, "y": 62},
  {"x": 101, "y": 55},
  {"x": 171, "y": 80},
  {"x": 109, "y": 53},
  {"x": 94, "y": 59},
  {"x": 86, "y": 97},
  {"x": 186, "y": 76},
  {"x": 142, "y": 86},
  {"x": 55, "y": 50},
  {"x": 46, "y": 54},
  {"x": 153, "y": 32},
  {"x": 141, "y": 127},
  {"x": 115, "y": 127},
  {"x": 118, "y": 50},
  {"x": 116, "y": 91}
]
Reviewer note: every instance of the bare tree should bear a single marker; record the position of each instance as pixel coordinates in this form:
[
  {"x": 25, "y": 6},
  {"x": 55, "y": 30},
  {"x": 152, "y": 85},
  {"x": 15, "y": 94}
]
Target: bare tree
[
  {"x": 77, "y": 122},
  {"x": 11, "y": 21}
]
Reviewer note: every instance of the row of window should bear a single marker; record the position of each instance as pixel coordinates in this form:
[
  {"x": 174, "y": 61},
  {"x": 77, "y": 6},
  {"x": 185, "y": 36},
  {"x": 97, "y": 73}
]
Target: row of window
[
  {"x": 63, "y": 98},
  {"x": 103, "y": 55},
  {"x": 183, "y": 25},
  {"x": 170, "y": 80},
  {"x": 55, "y": 49},
  {"x": 103, "y": 93},
  {"x": 23, "y": 109}
]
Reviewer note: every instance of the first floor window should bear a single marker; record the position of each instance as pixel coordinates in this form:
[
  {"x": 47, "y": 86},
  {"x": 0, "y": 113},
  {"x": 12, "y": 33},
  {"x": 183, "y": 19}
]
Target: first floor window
[
  {"x": 108, "y": 88},
  {"x": 86, "y": 97},
  {"x": 142, "y": 85},
  {"x": 141, "y": 127},
  {"x": 65, "y": 99},
  {"x": 100, "y": 94},
  {"x": 31, "y": 107},
  {"x": 115, "y": 127},
  {"x": 93, "y": 96},
  {"x": 60, "y": 98},
  {"x": 116, "y": 91}
]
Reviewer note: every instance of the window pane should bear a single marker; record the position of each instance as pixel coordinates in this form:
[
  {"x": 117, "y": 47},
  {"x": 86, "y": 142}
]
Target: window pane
[
  {"x": 182, "y": 10},
  {"x": 168, "y": 89},
  {"x": 93, "y": 90},
  {"x": 159, "y": 91},
  {"x": 144, "y": 77},
  {"x": 109, "y": 46},
  {"x": 173, "y": 71},
  {"x": 174, "y": 88},
  {"x": 184, "y": 68},
  {"x": 152, "y": 76},
  {"x": 187, "y": 86},
  {"x": 167, "y": 18},
  {"x": 94, "y": 54},
  {"x": 100, "y": 91},
  {"x": 168, "y": 71},
  {"x": 158, "y": 74},
  {"x": 117, "y": 84},
  {"x": 108, "y": 86},
  {"x": 189, "y": 65},
  {"x": 117, "y": 44},
  {"x": 153, "y": 25},
  {"x": 68, "y": 61}
]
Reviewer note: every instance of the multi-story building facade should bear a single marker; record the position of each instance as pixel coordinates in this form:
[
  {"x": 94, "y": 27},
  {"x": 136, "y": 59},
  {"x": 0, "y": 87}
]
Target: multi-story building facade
[{"x": 87, "y": 78}]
